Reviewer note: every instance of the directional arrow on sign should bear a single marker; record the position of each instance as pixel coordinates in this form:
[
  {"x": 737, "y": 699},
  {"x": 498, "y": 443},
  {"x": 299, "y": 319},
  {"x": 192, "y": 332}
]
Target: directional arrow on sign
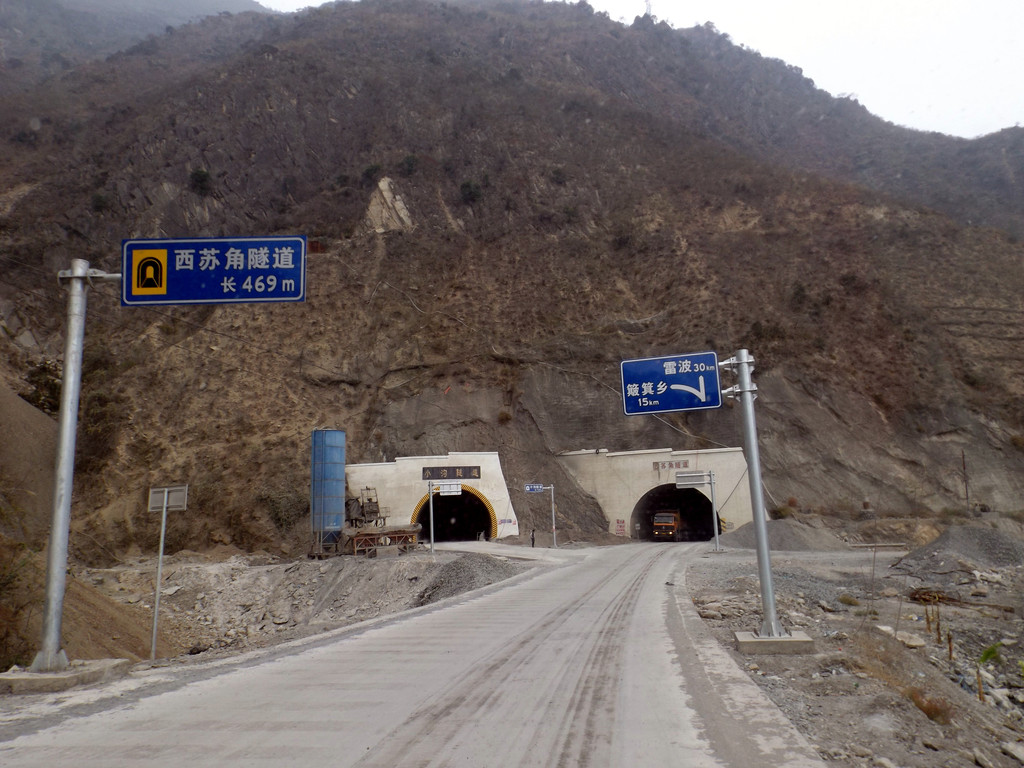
[{"x": 698, "y": 393}]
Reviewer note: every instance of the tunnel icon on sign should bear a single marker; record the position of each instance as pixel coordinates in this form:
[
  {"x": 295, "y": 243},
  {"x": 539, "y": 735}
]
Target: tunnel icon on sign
[{"x": 149, "y": 273}]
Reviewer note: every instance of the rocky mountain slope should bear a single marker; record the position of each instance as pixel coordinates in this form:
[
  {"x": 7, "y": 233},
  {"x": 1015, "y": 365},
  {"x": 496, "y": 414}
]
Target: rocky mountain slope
[
  {"x": 40, "y": 39},
  {"x": 575, "y": 193}
]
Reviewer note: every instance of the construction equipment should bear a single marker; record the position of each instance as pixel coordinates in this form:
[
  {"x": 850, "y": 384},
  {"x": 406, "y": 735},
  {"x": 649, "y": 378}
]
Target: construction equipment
[
  {"x": 366, "y": 530},
  {"x": 367, "y": 512}
]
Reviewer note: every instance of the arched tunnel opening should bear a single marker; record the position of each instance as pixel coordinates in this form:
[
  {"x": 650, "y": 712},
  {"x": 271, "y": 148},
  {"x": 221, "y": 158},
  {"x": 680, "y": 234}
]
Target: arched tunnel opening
[
  {"x": 456, "y": 518},
  {"x": 667, "y": 513}
]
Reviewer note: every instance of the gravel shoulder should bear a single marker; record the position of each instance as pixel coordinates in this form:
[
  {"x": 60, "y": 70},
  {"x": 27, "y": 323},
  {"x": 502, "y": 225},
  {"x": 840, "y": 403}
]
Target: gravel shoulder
[{"x": 893, "y": 681}]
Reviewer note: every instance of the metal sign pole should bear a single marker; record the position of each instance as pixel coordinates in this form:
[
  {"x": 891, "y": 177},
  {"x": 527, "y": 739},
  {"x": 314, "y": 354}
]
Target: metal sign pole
[
  {"x": 554, "y": 532},
  {"x": 744, "y": 363},
  {"x": 51, "y": 657},
  {"x": 159, "y": 573},
  {"x": 714, "y": 511},
  {"x": 430, "y": 493}
]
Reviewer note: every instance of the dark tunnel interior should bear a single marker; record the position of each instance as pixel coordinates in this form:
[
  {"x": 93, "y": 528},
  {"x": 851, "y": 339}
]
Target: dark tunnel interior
[
  {"x": 694, "y": 508},
  {"x": 456, "y": 518}
]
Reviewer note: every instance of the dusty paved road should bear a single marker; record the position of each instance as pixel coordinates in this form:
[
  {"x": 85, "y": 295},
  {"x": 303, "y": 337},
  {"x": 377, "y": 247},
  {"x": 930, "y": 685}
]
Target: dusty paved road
[{"x": 600, "y": 661}]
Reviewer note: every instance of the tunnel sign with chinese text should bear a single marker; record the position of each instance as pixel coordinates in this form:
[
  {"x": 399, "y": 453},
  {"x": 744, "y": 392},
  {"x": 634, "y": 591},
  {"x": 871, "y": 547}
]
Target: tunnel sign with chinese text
[
  {"x": 228, "y": 270},
  {"x": 451, "y": 473},
  {"x": 673, "y": 383}
]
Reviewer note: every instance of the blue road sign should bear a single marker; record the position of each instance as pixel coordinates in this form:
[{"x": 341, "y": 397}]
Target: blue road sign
[
  {"x": 535, "y": 488},
  {"x": 225, "y": 270},
  {"x": 672, "y": 383}
]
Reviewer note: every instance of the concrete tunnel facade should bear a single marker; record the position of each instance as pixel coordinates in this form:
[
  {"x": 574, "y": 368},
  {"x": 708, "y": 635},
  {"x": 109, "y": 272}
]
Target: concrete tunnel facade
[
  {"x": 631, "y": 486},
  {"x": 482, "y": 508}
]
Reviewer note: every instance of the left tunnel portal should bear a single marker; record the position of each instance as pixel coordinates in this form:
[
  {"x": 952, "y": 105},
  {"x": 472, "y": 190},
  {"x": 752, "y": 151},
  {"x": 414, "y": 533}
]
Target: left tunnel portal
[{"x": 465, "y": 517}]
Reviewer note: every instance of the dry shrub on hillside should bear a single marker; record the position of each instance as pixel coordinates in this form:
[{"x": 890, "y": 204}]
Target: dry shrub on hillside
[
  {"x": 936, "y": 708},
  {"x": 879, "y": 657}
]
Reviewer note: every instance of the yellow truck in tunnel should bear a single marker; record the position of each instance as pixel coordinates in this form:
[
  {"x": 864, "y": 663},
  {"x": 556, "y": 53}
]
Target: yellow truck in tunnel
[{"x": 667, "y": 525}]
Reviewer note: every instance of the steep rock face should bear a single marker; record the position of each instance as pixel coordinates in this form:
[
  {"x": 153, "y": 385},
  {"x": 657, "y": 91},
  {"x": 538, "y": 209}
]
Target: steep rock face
[
  {"x": 816, "y": 440},
  {"x": 387, "y": 211}
]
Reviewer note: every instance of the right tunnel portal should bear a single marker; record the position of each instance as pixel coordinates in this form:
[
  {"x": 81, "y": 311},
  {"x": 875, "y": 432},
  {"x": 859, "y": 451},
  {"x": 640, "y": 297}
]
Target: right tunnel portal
[{"x": 667, "y": 513}]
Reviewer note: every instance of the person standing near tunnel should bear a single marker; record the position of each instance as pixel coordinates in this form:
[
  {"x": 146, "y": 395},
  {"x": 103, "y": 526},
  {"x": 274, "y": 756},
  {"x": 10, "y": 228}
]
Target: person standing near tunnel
[{"x": 533, "y": 537}]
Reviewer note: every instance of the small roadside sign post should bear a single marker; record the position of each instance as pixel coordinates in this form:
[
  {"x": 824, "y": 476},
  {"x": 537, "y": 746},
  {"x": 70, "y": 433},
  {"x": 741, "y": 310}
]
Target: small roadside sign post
[
  {"x": 173, "y": 497},
  {"x": 430, "y": 500},
  {"x": 442, "y": 489},
  {"x": 446, "y": 481},
  {"x": 698, "y": 480},
  {"x": 540, "y": 488}
]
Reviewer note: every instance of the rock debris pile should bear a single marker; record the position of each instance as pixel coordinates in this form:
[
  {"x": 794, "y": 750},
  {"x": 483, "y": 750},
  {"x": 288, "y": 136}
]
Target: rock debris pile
[
  {"x": 254, "y": 600},
  {"x": 894, "y": 681},
  {"x": 468, "y": 572}
]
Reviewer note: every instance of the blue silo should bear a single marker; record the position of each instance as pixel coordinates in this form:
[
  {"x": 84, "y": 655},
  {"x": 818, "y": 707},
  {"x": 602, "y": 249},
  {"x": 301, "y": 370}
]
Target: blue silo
[{"x": 327, "y": 496}]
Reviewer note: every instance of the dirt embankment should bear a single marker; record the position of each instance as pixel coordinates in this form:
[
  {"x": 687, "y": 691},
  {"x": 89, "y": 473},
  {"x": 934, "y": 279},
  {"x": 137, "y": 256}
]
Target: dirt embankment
[{"x": 232, "y": 601}]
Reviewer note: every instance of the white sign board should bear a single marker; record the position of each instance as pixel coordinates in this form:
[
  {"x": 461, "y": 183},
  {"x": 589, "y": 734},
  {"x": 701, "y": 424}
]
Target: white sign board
[
  {"x": 176, "y": 498},
  {"x": 693, "y": 479},
  {"x": 450, "y": 489}
]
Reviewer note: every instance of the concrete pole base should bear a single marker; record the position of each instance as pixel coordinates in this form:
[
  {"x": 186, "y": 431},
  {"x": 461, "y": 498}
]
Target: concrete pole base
[
  {"x": 21, "y": 681},
  {"x": 49, "y": 662},
  {"x": 796, "y": 642}
]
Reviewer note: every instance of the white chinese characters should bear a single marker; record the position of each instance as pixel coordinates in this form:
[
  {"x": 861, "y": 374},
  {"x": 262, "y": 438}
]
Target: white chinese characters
[{"x": 257, "y": 269}]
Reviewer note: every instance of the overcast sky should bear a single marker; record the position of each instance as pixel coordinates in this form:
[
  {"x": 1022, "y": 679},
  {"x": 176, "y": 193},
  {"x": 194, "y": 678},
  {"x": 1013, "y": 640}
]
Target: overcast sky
[{"x": 953, "y": 66}]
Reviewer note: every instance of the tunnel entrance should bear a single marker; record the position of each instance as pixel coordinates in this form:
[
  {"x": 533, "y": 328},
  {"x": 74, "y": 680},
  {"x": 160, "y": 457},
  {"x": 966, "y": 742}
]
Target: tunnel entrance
[
  {"x": 693, "y": 507},
  {"x": 456, "y": 518}
]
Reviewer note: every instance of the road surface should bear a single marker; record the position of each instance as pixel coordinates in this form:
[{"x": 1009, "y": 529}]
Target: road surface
[{"x": 598, "y": 661}]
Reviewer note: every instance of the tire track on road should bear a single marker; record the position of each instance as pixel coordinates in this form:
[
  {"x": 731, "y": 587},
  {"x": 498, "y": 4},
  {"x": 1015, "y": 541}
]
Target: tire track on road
[
  {"x": 580, "y": 698},
  {"x": 594, "y": 697}
]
